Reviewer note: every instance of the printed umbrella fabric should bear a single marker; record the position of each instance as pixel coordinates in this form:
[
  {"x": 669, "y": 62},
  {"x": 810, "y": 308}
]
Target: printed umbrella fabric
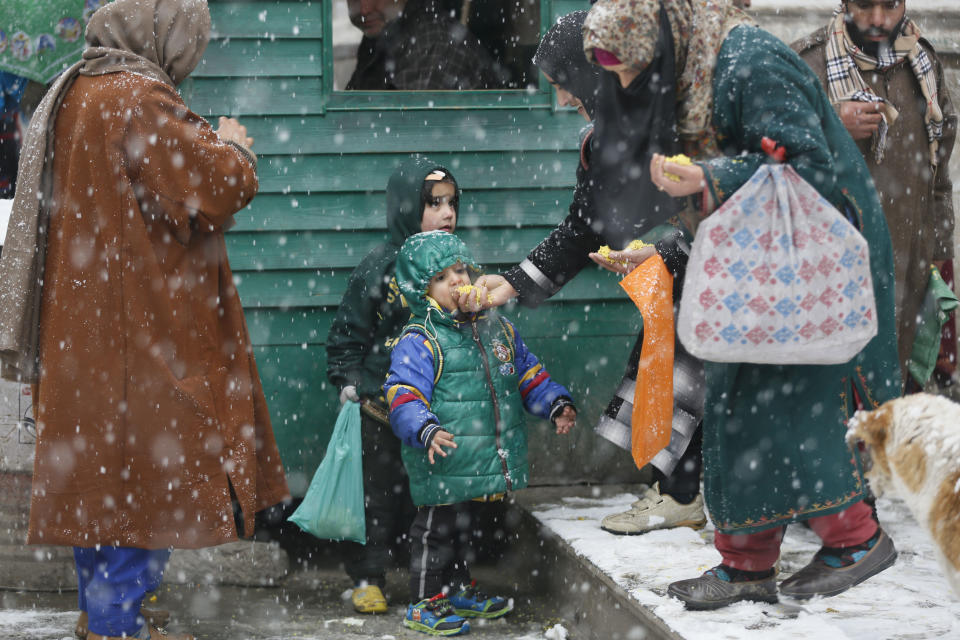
[{"x": 41, "y": 38}]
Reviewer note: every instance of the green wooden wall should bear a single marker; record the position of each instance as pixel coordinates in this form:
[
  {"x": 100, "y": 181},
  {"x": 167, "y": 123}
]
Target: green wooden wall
[{"x": 324, "y": 160}]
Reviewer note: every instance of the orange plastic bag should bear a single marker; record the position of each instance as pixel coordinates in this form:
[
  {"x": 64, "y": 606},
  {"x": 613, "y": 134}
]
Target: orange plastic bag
[{"x": 650, "y": 286}]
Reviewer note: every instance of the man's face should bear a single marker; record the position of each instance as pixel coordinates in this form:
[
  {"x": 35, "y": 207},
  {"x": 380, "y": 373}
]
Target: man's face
[
  {"x": 876, "y": 19},
  {"x": 371, "y": 16}
]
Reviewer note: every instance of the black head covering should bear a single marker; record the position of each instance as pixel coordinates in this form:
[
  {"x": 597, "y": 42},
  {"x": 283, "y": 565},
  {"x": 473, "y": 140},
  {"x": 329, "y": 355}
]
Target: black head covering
[
  {"x": 560, "y": 56},
  {"x": 632, "y": 124}
]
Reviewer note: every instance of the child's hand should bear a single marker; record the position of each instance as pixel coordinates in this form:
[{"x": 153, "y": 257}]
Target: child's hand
[
  {"x": 349, "y": 393},
  {"x": 440, "y": 440},
  {"x": 566, "y": 420},
  {"x": 491, "y": 291}
]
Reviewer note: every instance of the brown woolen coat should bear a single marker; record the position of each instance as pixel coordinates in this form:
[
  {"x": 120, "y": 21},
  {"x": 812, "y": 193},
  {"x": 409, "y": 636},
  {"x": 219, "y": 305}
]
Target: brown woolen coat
[
  {"x": 149, "y": 404},
  {"x": 917, "y": 202}
]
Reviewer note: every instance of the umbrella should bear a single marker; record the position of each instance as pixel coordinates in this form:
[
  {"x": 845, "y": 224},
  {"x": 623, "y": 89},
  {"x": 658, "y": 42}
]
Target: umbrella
[{"x": 41, "y": 38}]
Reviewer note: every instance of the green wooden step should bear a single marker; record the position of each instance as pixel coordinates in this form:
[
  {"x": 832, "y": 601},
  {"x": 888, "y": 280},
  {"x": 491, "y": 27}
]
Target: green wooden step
[
  {"x": 354, "y": 211},
  {"x": 256, "y": 251},
  {"x": 475, "y": 100},
  {"x": 375, "y": 132},
  {"x": 262, "y": 96},
  {"x": 368, "y": 172},
  {"x": 296, "y": 289},
  {"x": 276, "y": 19},
  {"x": 253, "y": 57},
  {"x": 576, "y": 319}
]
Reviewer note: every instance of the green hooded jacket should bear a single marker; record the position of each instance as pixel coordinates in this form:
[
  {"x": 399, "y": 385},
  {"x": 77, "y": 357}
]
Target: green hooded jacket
[
  {"x": 372, "y": 313},
  {"x": 475, "y": 394}
]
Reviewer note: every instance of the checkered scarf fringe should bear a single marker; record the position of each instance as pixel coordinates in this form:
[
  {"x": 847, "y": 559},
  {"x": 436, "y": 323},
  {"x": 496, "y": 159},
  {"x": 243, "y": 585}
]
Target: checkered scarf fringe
[{"x": 846, "y": 61}]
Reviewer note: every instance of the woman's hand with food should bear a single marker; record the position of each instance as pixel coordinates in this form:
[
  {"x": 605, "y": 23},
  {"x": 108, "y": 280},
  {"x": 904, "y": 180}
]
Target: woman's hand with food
[
  {"x": 625, "y": 260},
  {"x": 676, "y": 175}
]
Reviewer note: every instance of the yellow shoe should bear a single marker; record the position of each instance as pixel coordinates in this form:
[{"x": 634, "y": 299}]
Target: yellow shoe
[{"x": 369, "y": 599}]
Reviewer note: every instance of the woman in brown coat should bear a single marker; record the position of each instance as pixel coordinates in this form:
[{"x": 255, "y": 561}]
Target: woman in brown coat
[{"x": 150, "y": 412}]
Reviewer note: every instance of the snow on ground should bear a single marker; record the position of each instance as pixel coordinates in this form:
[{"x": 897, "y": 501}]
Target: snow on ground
[
  {"x": 37, "y": 623},
  {"x": 910, "y": 600}
]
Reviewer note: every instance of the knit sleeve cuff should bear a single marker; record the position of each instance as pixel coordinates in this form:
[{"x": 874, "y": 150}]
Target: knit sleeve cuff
[
  {"x": 558, "y": 406},
  {"x": 427, "y": 433},
  {"x": 675, "y": 251}
]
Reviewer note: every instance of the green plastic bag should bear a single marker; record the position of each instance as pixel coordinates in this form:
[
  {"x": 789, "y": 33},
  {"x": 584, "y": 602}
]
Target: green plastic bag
[
  {"x": 333, "y": 507},
  {"x": 937, "y": 305}
]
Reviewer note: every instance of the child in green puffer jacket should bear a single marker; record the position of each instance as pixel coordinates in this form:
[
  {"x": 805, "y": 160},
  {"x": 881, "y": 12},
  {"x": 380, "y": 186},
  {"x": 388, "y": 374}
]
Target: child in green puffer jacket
[
  {"x": 457, "y": 387},
  {"x": 421, "y": 196}
]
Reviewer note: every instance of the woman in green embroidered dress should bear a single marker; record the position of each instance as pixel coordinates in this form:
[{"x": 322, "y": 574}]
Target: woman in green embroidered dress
[{"x": 774, "y": 449}]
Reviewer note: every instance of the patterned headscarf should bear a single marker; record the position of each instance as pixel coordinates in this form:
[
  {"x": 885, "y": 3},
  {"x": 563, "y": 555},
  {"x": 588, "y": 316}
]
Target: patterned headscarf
[
  {"x": 845, "y": 61},
  {"x": 628, "y": 29}
]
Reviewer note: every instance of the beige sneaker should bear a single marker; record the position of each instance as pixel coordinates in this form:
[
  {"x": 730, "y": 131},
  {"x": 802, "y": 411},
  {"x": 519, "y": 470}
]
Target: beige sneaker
[
  {"x": 649, "y": 496},
  {"x": 654, "y": 511}
]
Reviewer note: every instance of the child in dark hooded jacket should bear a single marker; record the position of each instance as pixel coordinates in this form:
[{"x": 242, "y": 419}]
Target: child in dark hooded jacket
[
  {"x": 421, "y": 196},
  {"x": 457, "y": 388}
]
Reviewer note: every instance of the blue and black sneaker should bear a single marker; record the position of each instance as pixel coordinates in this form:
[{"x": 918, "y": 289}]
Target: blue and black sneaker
[
  {"x": 470, "y": 602},
  {"x": 435, "y": 616}
]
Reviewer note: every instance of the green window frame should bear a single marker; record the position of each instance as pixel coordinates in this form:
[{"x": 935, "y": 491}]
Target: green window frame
[{"x": 540, "y": 98}]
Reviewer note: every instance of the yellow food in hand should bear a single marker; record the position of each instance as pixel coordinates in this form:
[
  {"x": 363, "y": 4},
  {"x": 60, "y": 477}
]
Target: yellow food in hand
[
  {"x": 605, "y": 250},
  {"x": 467, "y": 288},
  {"x": 678, "y": 159}
]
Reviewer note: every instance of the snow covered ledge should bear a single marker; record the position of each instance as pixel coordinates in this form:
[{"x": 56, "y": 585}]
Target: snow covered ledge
[{"x": 910, "y": 600}]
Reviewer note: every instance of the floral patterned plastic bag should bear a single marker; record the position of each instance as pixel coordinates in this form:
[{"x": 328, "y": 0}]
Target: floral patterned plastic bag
[{"x": 777, "y": 276}]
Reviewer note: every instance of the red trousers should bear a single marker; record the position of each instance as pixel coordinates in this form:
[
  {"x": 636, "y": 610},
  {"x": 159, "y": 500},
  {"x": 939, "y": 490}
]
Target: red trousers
[{"x": 759, "y": 551}]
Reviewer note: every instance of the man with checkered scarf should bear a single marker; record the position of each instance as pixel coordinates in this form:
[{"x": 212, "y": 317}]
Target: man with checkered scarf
[{"x": 887, "y": 85}]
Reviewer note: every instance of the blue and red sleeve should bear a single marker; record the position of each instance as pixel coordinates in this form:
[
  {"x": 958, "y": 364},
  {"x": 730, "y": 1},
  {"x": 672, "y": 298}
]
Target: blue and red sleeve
[
  {"x": 538, "y": 390},
  {"x": 409, "y": 388}
]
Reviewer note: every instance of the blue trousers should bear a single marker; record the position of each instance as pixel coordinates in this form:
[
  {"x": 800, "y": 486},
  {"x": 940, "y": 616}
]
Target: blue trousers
[{"x": 112, "y": 583}]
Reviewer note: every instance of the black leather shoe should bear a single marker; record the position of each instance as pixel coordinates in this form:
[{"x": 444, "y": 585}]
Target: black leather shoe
[
  {"x": 710, "y": 592},
  {"x": 820, "y": 579}
]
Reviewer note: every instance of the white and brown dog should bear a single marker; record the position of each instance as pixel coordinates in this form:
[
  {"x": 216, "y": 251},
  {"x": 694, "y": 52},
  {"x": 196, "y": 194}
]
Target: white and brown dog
[{"x": 912, "y": 448}]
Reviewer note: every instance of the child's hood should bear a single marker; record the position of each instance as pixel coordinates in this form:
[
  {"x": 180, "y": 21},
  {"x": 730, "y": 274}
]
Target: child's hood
[
  {"x": 404, "y": 209},
  {"x": 423, "y": 256}
]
